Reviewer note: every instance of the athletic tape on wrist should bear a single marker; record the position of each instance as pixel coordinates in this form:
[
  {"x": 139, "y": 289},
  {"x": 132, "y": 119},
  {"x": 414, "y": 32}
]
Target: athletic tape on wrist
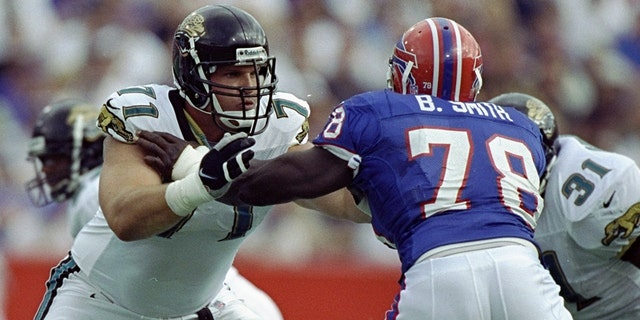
[
  {"x": 188, "y": 162},
  {"x": 184, "y": 195}
]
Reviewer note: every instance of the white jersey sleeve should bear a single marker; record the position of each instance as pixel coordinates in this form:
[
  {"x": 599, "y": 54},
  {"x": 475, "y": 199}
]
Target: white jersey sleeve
[
  {"x": 135, "y": 108},
  {"x": 590, "y": 217}
]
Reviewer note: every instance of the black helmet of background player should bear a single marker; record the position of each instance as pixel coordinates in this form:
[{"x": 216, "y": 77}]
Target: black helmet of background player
[
  {"x": 223, "y": 35},
  {"x": 541, "y": 115},
  {"x": 438, "y": 57},
  {"x": 65, "y": 144}
]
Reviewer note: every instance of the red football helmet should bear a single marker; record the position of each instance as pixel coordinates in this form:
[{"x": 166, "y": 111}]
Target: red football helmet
[{"x": 439, "y": 57}]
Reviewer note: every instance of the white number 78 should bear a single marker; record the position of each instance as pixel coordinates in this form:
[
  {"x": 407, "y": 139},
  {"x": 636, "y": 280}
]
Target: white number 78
[{"x": 455, "y": 169}]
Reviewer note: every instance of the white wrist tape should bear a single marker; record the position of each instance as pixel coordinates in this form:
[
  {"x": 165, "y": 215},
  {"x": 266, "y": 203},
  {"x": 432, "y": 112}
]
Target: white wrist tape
[
  {"x": 188, "y": 162},
  {"x": 184, "y": 195}
]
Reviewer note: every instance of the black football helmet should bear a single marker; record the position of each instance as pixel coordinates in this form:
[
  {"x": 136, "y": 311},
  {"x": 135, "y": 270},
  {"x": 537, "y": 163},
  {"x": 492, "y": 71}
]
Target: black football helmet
[
  {"x": 65, "y": 144},
  {"x": 541, "y": 115},
  {"x": 223, "y": 35}
]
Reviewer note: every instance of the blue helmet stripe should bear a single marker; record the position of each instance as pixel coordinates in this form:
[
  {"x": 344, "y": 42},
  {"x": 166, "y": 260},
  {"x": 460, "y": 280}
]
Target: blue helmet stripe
[{"x": 448, "y": 60}]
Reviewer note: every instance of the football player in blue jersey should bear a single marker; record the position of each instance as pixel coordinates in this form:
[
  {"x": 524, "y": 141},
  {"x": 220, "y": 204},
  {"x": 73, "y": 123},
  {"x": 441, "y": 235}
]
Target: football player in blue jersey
[
  {"x": 449, "y": 182},
  {"x": 588, "y": 229}
]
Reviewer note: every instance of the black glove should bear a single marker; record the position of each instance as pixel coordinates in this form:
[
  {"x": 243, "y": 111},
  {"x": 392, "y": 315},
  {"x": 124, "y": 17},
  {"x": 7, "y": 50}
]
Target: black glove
[{"x": 228, "y": 159}]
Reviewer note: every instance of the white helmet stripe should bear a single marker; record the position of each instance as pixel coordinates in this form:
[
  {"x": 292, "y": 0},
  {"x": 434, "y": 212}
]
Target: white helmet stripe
[
  {"x": 436, "y": 57},
  {"x": 76, "y": 159},
  {"x": 458, "y": 62}
]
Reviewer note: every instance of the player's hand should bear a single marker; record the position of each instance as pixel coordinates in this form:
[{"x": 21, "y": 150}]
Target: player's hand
[
  {"x": 163, "y": 150},
  {"x": 228, "y": 159}
]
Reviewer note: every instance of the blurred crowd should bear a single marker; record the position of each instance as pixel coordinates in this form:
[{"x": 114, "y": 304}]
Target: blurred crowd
[{"x": 580, "y": 56}]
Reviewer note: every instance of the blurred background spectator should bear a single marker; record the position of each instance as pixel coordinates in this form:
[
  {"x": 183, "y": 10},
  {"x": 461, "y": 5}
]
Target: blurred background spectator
[{"x": 581, "y": 57}]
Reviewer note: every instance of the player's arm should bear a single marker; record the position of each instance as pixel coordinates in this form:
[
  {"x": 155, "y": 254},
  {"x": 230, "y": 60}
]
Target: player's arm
[
  {"x": 162, "y": 151},
  {"x": 314, "y": 178},
  {"x": 131, "y": 193},
  {"x": 138, "y": 205},
  {"x": 338, "y": 204}
]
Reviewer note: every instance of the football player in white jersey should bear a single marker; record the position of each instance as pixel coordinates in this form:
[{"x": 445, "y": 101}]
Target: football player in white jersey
[
  {"x": 589, "y": 225},
  {"x": 66, "y": 150},
  {"x": 160, "y": 247}
]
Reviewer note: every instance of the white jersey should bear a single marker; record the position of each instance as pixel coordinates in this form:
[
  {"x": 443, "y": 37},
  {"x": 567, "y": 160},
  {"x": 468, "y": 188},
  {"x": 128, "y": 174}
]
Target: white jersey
[
  {"x": 590, "y": 217},
  {"x": 84, "y": 203},
  {"x": 179, "y": 271},
  {"x": 82, "y": 207}
]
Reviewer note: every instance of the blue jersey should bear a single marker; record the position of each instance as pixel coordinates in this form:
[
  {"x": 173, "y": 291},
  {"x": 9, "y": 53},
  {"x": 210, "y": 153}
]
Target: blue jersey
[{"x": 434, "y": 172}]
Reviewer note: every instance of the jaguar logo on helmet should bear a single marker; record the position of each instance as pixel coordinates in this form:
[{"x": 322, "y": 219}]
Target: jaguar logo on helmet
[
  {"x": 193, "y": 25},
  {"x": 539, "y": 113}
]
